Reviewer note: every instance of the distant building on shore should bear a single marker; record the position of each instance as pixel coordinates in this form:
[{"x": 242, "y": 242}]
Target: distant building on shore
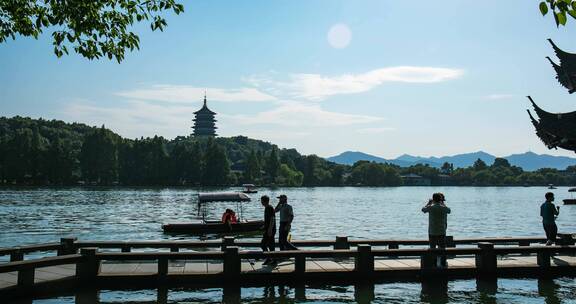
[
  {"x": 415, "y": 180},
  {"x": 204, "y": 122}
]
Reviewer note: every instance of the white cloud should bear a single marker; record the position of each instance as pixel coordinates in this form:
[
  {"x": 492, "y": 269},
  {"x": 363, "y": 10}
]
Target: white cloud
[
  {"x": 375, "y": 130},
  {"x": 186, "y": 94},
  {"x": 135, "y": 118},
  {"x": 295, "y": 114},
  {"x": 499, "y": 96},
  {"x": 317, "y": 87}
]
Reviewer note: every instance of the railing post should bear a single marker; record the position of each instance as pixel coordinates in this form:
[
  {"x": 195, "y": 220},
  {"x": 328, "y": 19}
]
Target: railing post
[
  {"x": 364, "y": 263},
  {"x": 450, "y": 241},
  {"x": 300, "y": 264},
  {"x": 227, "y": 241},
  {"x": 67, "y": 246},
  {"x": 125, "y": 247},
  {"x": 543, "y": 259},
  {"x": 393, "y": 245},
  {"x": 565, "y": 239},
  {"x": 174, "y": 249},
  {"x": 232, "y": 265},
  {"x": 89, "y": 266},
  {"x": 341, "y": 243},
  {"x": 524, "y": 243},
  {"x": 162, "y": 266},
  {"x": 486, "y": 260},
  {"x": 16, "y": 255},
  {"x": 26, "y": 277}
]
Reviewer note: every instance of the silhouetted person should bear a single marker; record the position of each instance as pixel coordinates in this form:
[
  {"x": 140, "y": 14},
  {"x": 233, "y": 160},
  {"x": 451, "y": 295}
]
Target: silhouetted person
[
  {"x": 286, "y": 218},
  {"x": 437, "y": 222},
  {"x": 268, "y": 243},
  {"x": 549, "y": 212}
]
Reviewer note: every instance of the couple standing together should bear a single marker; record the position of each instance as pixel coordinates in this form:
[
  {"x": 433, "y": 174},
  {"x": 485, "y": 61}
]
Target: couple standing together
[{"x": 286, "y": 217}]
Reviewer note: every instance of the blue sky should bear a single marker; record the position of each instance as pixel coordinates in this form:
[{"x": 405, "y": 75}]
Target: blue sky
[{"x": 383, "y": 77}]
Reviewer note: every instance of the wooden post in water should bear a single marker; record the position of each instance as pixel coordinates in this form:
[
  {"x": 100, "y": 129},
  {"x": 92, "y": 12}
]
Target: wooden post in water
[
  {"x": 16, "y": 255},
  {"x": 486, "y": 259},
  {"x": 26, "y": 277},
  {"x": 232, "y": 264},
  {"x": 162, "y": 266},
  {"x": 300, "y": 264},
  {"x": 67, "y": 246},
  {"x": 543, "y": 259},
  {"x": 364, "y": 263},
  {"x": 227, "y": 241},
  {"x": 89, "y": 266},
  {"x": 428, "y": 261},
  {"x": 341, "y": 243}
]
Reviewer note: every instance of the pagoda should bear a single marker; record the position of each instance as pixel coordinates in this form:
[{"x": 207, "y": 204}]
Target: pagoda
[{"x": 204, "y": 122}]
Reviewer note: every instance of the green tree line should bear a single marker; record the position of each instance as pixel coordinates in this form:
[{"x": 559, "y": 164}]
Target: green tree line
[{"x": 51, "y": 152}]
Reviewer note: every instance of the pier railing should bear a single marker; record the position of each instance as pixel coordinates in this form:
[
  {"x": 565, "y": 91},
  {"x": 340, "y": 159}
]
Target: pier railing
[{"x": 72, "y": 245}]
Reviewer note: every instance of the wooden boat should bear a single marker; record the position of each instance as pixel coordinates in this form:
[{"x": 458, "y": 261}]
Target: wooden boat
[
  {"x": 249, "y": 188},
  {"x": 213, "y": 227},
  {"x": 550, "y": 186},
  {"x": 571, "y": 200}
]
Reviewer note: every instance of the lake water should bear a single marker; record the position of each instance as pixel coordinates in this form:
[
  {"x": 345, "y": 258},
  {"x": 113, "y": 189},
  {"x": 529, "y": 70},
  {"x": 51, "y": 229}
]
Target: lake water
[{"x": 30, "y": 215}]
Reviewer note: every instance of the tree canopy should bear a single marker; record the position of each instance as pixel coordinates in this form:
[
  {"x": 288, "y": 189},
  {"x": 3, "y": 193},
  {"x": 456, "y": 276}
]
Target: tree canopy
[
  {"x": 560, "y": 9},
  {"x": 92, "y": 29}
]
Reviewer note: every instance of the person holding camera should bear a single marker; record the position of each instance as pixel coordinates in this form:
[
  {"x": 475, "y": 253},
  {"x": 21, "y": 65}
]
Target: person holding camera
[
  {"x": 437, "y": 223},
  {"x": 549, "y": 213}
]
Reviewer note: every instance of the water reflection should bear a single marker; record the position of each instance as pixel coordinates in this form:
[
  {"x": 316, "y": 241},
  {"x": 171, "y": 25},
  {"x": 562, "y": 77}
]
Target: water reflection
[
  {"x": 548, "y": 289},
  {"x": 436, "y": 290}
]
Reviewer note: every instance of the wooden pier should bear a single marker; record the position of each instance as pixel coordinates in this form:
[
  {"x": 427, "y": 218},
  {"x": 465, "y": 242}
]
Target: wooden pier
[{"x": 124, "y": 265}]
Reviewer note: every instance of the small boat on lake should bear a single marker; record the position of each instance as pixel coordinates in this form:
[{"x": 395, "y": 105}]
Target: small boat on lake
[
  {"x": 571, "y": 200},
  {"x": 550, "y": 186},
  {"x": 204, "y": 226},
  {"x": 249, "y": 188}
]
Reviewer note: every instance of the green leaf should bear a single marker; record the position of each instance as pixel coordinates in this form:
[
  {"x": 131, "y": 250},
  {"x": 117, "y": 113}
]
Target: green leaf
[
  {"x": 572, "y": 13},
  {"x": 543, "y": 8},
  {"x": 561, "y": 18}
]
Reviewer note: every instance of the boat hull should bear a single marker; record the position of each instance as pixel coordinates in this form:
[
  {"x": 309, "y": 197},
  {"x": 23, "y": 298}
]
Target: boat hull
[
  {"x": 213, "y": 227},
  {"x": 570, "y": 201}
]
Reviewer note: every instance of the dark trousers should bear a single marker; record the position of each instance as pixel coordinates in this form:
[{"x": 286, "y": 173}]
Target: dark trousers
[
  {"x": 551, "y": 231},
  {"x": 437, "y": 240},
  {"x": 440, "y": 241},
  {"x": 283, "y": 238},
  {"x": 268, "y": 243}
]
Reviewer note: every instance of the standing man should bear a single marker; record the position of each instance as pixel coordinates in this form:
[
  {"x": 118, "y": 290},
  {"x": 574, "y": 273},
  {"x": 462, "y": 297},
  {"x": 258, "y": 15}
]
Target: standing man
[
  {"x": 268, "y": 243},
  {"x": 437, "y": 222},
  {"x": 549, "y": 212},
  {"x": 286, "y": 218}
]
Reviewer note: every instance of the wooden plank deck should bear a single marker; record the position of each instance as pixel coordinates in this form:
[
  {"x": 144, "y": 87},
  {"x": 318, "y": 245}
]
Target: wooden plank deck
[{"x": 112, "y": 269}]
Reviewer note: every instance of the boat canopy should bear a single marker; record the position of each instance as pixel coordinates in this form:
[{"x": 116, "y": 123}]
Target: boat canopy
[
  {"x": 222, "y": 197},
  {"x": 248, "y": 185},
  {"x": 572, "y": 190}
]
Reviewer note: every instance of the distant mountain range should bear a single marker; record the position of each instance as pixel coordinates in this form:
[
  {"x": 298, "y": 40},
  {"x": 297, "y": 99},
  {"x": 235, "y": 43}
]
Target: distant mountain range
[{"x": 528, "y": 161}]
